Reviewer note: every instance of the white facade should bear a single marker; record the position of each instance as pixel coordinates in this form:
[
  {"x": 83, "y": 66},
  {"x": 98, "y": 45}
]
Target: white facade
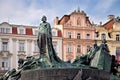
[
  {"x": 57, "y": 41},
  {"x": 18, "y": 41}
]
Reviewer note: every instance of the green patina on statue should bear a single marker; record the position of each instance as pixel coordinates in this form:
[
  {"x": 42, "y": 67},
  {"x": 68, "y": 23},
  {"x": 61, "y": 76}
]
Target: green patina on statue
[
  {"x": 48, "y": 56},
  {"x": 97, "y": 57}
]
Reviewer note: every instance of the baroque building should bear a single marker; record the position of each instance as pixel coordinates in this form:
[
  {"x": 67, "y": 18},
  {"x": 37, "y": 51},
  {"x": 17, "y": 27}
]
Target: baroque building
[
  {"x": 111, "y": 32},
  {"x": 77, "y": 34},
  {"x": 20, "y": 41}
]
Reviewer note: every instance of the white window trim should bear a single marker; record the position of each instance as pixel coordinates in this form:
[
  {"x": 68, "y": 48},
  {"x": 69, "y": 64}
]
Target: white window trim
[
  {"x": 4, "y": 30},
  {"x": 34, "y": 31},
  {"x": 20, "y": 29}
]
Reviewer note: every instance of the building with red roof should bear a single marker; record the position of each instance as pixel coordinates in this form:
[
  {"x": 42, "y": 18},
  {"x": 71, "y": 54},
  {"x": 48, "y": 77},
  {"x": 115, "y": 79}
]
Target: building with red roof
[
  {"x": 111, "y": 32},
  {"x": 77, "y": 34},
  {"x": 20, "y": 41}
]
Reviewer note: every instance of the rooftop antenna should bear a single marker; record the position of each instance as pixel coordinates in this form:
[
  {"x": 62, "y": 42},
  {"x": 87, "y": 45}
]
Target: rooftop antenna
[{"x": 78, "y": 9}]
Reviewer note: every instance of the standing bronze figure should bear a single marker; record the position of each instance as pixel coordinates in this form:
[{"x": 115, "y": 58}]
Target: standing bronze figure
[{"x": 45, "y": 43}]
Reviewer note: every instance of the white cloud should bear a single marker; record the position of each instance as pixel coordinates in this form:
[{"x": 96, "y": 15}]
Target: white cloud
[
  {"x": 17, "y": 12},
  {"x": 104, "y": 5},
  {"x": 29, "y": 12}
]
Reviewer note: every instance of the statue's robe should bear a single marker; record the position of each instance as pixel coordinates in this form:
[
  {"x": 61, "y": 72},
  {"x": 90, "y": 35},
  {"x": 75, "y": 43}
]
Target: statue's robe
[
  {"x": 45, "y": 44},
  {"x": 102, "y": 59}
]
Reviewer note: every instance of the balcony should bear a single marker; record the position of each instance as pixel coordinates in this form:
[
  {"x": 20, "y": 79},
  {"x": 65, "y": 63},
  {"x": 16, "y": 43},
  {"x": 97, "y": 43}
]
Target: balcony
[
  {"x": 2, "y": 72},
  {"x": 21, "y": 54},
  {"x": 5, "y": 53}
]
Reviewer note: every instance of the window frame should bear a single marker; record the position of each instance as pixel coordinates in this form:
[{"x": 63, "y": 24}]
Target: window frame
[
  {"x": 69, "y": 35},
  {"x": 78, "y": 48},
  {"x": 69, "y": 48},
  {"x": 78, "y": 36},
  {"x": 5, "y": 46},
  {"x": 21, "y": 46},
  {"x": 88, "y": 36}
]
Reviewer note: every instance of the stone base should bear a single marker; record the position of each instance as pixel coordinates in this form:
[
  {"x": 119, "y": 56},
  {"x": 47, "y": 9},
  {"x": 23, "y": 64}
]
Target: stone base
[{"x": 65, "y": 74}]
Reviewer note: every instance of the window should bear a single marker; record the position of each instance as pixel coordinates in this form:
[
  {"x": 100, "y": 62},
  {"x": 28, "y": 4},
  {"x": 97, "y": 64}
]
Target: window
[
  {"x": 69, "y": 48},
  {"x": 5, "y": 63},
  {"x": 103, "y": 36},
  {"x": 36, "y": 49},
  {"x": 78, "y": 36},
  {"x": 21, "y": 31},
  {"x": 88, "y": 36},
  {"x": 78, "y": 48},
  {"x": 21, "y": 47},
  {"x": 7, "y": 30},
  {"x": 54, "y": 33},
  {"x": 117, "y": 37},
  {"x": 88, "y": 48},
  {"x": 69, "y": 34},
  {"x": 4, "y": 46},
  {"x": 4, "y": 30}
]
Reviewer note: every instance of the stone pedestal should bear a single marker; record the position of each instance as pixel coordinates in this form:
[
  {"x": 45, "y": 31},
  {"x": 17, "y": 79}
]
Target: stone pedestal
[{"x": 65, "y": 74}]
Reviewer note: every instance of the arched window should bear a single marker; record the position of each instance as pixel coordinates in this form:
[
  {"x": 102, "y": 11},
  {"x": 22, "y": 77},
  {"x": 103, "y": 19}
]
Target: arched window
[{"x": 103, "y": 36}]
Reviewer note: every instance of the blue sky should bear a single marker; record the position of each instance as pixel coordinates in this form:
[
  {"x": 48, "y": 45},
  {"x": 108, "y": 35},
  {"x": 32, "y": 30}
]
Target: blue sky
[{"x": 29, "y": 12}]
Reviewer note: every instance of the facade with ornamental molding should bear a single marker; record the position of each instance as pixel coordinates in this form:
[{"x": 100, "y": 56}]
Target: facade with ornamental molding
[
  {"x": 72, "y": 36},
  {"x": 19, "y": 41},
  {"x": 110, "y": 31},
  {"x": 77, "y": 33}
]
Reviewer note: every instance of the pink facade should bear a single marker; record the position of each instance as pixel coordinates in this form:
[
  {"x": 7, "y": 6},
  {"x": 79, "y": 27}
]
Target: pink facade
[{"x": 78, "y": 34}]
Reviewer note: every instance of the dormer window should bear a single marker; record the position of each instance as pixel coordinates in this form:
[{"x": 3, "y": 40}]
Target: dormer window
[
  {"x": 7, "y": 30},
  {"x": 21, "y": 31},
  {"x": 4, "y": 30}
]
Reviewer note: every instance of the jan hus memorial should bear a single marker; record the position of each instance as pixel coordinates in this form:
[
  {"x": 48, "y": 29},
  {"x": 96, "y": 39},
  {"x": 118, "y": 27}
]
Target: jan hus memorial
[{"x": 97, "y": 64}]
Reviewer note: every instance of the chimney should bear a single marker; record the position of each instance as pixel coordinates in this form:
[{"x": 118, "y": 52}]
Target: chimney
[
  {"x": 100, "y": 23},
  {"x": 111, "y": 17},
  {"x": 56, "y": 21}
]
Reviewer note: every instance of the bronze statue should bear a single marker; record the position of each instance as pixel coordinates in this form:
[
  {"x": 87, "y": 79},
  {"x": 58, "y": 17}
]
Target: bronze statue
[
  {"x": 47, "y": 52},
  {"x": 44, "y": 34},
  {"x": 97, "y": 57}
]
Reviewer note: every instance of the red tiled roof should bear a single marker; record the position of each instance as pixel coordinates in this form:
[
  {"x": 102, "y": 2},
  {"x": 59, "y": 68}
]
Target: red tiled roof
[
  {"x": 87, "y": 20},
  {"x": 109, "y": 24},
  {"x": 29, "y": 31},
  {"x": 14, "y": 30},
  {"x": 59, "y": 33},
  {"x": 64, "y": 19}
]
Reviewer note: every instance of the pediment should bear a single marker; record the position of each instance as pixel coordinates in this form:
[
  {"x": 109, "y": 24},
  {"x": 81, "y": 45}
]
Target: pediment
[{"x": 5, "y": 25}]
